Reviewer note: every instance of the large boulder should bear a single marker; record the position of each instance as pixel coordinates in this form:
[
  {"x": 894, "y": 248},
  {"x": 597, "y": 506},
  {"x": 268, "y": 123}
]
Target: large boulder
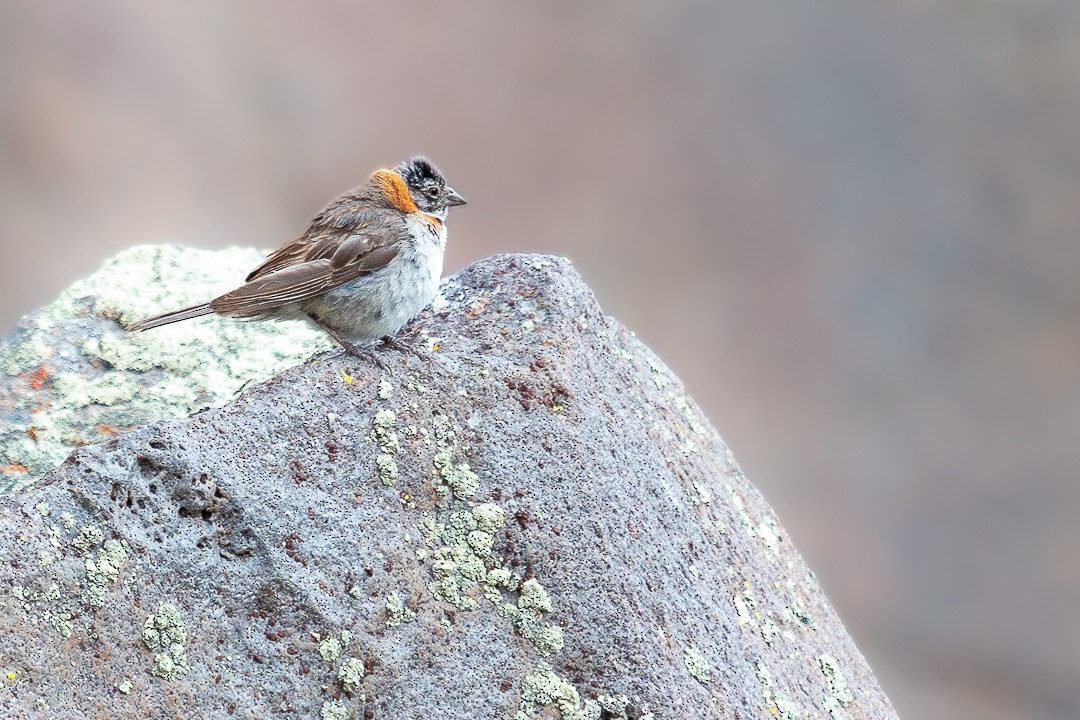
[{"x": 526, "y": 517}]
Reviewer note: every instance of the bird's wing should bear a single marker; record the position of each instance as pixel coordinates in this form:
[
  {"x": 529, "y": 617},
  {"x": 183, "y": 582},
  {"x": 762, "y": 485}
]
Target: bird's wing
[
  {"x": 289, "y": 254},
  {"x": 320, "y": 239},
  {"x": 329, "y": 263}
]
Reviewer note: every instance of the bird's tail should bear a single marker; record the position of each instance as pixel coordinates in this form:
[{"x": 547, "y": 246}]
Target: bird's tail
[{"x": 170, "y": 317}]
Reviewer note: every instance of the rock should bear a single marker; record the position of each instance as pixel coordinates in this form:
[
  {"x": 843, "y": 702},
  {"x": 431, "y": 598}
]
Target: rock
[
  {"x": 70, "y": 375},
  {"x": 532, "y": 519}
]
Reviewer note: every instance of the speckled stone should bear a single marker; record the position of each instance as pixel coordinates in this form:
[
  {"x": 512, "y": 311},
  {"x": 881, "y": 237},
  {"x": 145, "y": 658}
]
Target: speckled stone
[
  {"x": 70, "y": 375},
  {"x": 607, "y": 558}
]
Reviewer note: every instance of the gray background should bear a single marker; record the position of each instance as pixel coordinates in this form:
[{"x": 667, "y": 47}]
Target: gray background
[{"x": 850, "y": 227}]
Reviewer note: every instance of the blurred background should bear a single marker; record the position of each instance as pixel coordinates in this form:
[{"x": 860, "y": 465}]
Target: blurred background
[{"x": 850, "y": 227}]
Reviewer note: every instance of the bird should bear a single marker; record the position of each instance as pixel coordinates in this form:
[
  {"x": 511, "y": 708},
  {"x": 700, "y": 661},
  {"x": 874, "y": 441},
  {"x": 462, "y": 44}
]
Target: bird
[{"x": 368, "y": 263}]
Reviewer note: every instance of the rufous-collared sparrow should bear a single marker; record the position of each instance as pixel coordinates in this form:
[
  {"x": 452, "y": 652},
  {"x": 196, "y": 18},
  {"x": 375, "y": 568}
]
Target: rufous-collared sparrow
[{"x": 367, "y": 264}]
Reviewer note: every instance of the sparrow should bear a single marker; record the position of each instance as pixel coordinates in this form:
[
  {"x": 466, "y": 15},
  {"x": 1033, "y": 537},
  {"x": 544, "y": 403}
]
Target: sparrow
[{"x": 367, "y": 264}]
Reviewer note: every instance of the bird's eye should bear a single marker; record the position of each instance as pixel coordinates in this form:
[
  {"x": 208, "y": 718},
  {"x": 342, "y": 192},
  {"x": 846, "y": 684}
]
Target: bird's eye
[{"x": 432, "y": 192}]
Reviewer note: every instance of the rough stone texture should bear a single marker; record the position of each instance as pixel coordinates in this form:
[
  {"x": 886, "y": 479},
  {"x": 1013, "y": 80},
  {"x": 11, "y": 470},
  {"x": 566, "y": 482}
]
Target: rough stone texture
[
  {"x": 535, "y": 521},
  {"x": 70, "y": 375}
]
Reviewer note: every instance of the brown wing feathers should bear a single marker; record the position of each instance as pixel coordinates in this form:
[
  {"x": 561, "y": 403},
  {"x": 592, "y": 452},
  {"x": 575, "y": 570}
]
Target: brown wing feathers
[
  {"x": 355, "y": 257},
  {"x": 279, "y": 288},
  {"x": 171, "y": 317},
  {"x": 321, "y": 260}
]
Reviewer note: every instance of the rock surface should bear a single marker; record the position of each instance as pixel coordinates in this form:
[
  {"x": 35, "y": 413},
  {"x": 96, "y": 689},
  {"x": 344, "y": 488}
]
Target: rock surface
[
  {"x": 532, "y": 521},
  {"x": 70, "y": 375}
]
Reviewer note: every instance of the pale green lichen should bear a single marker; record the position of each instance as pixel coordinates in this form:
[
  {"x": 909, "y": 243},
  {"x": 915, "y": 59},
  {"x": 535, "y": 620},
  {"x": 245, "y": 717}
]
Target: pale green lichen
[
  {"x": 41, "y": 606},
  {"x": 387, "y": 468},
  {"x": 840, "y": 695},
  {"x": 334, "y": 710},
  {"x": 386, "y": 390},
  {"x": 165, "y": 634},
  {"x": 102, "y": 570},
  {"x": 457, "y": 478},
  {"x": 701, "y": 494},
  {"x": 616, "y": 707},
  {"x": 769, "y": 533},
  {"x": 660, "y": 372},
  {"x": 779, "y": 705},
  {"x": 769, "y": 631},
  {"x": 25, "y": 355},
  {"x": 696, "y": 664},
  {"x": 397, "y": 612},
  {"x": 452, "y": 590},
  {"x": 501, "y": 578},
  {"x": 739, "y": 505},
  {"x": 489, "y": 517},
  {"x": 124, "y": 686},
  {"x": 456, "y": 566},
  {"x": 382, "y": 431},
  {"x": 547, "y": 639},
  {"x": 465, "y": 559},
  {"x": 383, "y": 435},
  {"x": 798, "y": 612},
  {"x": 693, "y": 419},
  {"x": 544, "y": 688},
  {"x": 746, "y": 606},
  {"x": 493, "y": 594},
  {"x": 330, "y": 649},
  {"x": 351, "y": 673},
  {"x": 497, "y": 580},
  {"x": 481, "y": 542},
  {"x": 534, "y": 597},
  {"x": 170, "y": 372},
  {"x": 102, "y": 390},
  {"x": 453, "y": 477},
  {"x": 87, "y": 539},
  {"x": 61, "y": 622},
  {"x": 99, "y": 575},
  {"x": 431, "y": 530}
]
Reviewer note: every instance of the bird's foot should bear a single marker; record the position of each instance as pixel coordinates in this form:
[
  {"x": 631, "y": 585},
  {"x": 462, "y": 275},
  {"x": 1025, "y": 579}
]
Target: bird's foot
[
  {"x": 363, "y": 352},
  {"x": 395, "y": 344}
]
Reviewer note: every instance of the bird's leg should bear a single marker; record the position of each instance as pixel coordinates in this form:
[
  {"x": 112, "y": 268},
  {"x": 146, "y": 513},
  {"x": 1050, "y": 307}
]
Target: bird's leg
[
  {"x": 391, "y": 342},
  {"x": 350, "y": 348}
]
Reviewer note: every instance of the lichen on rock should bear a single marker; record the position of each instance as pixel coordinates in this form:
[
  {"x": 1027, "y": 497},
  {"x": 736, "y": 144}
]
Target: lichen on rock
[
  {"x": 72, "y": 376},
  {"x": 558, "y": 496},
  {"x": 165, "y": 634}
]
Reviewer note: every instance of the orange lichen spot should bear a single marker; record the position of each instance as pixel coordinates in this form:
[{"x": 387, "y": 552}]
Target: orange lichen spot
[
  {"x": 393, "y": 187},
  {"x": 38, "y": 378},
  {"x": 13, "y": 467},
  {"x": 32, "y": 433},
  {"x": 105, "y": 429}
]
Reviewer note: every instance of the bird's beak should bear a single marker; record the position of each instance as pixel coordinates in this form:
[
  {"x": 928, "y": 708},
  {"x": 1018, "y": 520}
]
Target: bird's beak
[{"x": 453, "y": 198}]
